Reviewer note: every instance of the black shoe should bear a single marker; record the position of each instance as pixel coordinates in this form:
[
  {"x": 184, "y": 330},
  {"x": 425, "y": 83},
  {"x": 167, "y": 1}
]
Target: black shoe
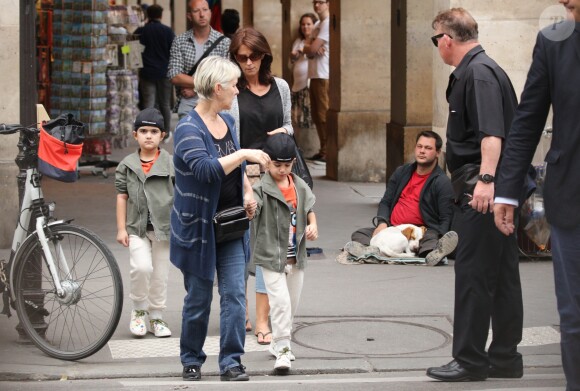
[
  {"x": 235, "y": 374},
  {"x": 506, "y": 373},
  {"x": 454, "y": 372},
  {"x": 192, "y": 373}
]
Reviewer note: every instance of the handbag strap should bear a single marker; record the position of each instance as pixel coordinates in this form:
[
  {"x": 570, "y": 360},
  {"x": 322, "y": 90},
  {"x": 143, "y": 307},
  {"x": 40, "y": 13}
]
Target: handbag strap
[{"x": 205, "y": 54}]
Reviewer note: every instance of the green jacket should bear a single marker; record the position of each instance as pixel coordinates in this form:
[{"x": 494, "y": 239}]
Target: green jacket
[
  {"x": 272, "y": 223},
  {"x": 151, "y": 193}
]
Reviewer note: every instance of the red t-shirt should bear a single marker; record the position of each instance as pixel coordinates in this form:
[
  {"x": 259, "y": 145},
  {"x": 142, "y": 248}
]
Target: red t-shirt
[
  {"x": 147, "y": 165},
  {"x": 406, "y": 210}
]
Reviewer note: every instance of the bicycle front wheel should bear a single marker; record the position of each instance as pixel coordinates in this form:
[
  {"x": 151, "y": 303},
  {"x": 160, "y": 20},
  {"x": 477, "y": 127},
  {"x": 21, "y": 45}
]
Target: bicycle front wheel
[{"x": 80, "y": 321}]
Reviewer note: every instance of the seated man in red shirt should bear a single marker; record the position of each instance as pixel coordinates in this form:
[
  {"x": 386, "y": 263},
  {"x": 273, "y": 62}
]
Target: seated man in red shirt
[{"x": 418, "y": 193}]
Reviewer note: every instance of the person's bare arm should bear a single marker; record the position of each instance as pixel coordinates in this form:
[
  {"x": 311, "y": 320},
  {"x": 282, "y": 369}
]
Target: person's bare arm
[
  {"x": 233, "y": 160},
  {"x": 483, "y": 194},
  {"x": 313, "y": 47},
  {"x": 185, "y": 82},
  {"x": 312, "y": 228},
  {"x": 122, "y": 235}
]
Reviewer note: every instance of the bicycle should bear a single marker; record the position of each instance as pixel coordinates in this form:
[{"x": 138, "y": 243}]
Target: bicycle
[{"x": 61, "y": 279}]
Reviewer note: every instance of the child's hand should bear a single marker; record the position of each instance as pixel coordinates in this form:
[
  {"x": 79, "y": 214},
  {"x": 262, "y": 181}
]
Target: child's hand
[
  {"x": 311, "y": 232},
  {"x": 250, "y": 206},
  {"x": 123, "y": 237}
]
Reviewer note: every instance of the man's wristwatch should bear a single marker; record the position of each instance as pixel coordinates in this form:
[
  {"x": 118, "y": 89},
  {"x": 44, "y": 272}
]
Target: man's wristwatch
[{"x": 486, "y": 178}]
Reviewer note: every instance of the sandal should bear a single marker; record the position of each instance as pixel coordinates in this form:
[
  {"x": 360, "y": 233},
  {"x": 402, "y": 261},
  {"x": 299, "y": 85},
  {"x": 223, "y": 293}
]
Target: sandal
[
  {"x": 248, "y": 325},
  {"x": 264, "y": 335}
]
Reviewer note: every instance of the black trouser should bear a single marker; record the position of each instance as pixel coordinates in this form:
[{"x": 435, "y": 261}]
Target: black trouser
[
  {"x": 426, "y": 244},
  {"x": 487, "y": 286}
]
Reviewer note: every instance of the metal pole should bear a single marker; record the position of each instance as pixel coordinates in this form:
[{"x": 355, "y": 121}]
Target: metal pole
[{"x": 28, "y": 99}]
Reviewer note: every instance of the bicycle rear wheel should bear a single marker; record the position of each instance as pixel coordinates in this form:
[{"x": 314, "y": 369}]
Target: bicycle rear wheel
[{"x": 81, "y": 322}]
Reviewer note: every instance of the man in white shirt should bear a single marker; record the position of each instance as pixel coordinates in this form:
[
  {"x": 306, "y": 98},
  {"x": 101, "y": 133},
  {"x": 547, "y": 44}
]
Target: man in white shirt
[{"x": 317, "y": 49}]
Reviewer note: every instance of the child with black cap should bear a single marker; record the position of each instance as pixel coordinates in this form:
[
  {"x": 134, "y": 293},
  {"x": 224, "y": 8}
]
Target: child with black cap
[
  {"x": 284, "y": 220},
  {"x": 144, "y": 183}
]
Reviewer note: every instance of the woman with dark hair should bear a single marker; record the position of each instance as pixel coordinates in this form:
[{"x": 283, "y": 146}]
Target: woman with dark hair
[
  {"x": 298, "y": 62},
  {"x": 262, "y": 108}
]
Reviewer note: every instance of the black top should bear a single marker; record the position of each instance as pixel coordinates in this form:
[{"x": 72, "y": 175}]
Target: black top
[
  {"x": 231, "y": 189},
  {"x": 157, "y": 39},
  {"x": 482, "y": 103},
  {"x": 259, "y": 115}
]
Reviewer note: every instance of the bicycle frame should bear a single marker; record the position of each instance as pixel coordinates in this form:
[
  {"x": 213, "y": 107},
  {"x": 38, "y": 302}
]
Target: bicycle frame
[{"x": 30, "y": 202}]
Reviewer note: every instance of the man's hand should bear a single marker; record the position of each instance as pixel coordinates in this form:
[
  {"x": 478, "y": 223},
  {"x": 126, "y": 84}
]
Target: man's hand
[
  {"x": 187, "y": 93},
  {"x": 504, "y": 218},
  {"x": 482, "y": 200},
  {"x": 379, "y": 228}
]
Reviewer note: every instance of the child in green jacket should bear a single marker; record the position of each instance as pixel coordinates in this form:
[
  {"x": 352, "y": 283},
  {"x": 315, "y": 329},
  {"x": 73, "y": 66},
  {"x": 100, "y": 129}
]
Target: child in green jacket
[
  {"x": 144, "y": 183},
  {"x": 284, "y": 220}
]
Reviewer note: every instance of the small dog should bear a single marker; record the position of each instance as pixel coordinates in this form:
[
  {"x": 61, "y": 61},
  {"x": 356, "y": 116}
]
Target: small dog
[{"x": 401, "y": 241}]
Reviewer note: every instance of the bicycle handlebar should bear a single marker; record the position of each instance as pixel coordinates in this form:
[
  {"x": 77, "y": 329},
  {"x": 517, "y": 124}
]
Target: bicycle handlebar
[{"x": 13, "y": 128}]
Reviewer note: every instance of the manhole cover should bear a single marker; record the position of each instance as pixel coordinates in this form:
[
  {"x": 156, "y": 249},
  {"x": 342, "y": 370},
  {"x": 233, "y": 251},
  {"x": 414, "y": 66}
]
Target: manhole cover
[{"x": 370, "y": 337}]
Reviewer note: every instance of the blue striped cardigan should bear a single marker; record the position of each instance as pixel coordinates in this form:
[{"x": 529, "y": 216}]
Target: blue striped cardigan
[{"x": 198, "y": 178}]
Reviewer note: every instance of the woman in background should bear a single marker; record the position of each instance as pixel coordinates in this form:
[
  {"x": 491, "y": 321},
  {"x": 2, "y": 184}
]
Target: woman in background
[{"x": 298, "y": 62}]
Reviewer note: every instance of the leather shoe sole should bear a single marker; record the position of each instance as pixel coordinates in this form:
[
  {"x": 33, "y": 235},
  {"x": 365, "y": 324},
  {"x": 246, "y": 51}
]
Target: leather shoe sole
[
  {"x": 501, "y": 373},
  {"x": 234, "y": 374}
]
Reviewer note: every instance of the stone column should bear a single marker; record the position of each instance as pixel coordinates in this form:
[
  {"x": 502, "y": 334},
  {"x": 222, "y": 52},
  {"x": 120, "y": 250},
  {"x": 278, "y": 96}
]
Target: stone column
[
  {"x": 268, "y": 21},
  {"x": 9, "y": 113},
  {"x": 360, "y": 55},
  {"x": 411, "y": 73}
]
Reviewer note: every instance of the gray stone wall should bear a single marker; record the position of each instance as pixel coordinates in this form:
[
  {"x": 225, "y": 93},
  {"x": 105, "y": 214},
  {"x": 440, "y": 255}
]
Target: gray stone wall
[{"x": 9, "y": 113}]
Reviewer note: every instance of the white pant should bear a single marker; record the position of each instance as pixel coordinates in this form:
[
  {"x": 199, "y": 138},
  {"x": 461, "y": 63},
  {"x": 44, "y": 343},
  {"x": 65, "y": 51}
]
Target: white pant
[
  {"x": 284, "y": 291},
  {"x": 149, "y": 260}
]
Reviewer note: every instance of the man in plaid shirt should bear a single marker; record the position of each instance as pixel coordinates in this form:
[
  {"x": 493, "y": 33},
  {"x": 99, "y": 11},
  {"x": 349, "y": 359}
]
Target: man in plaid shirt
[{"x": 188, "y": 48}]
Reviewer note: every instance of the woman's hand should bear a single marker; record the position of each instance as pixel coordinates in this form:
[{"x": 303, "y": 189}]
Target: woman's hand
[
  {"x": 257, "y": 156},
  {"x": 279, "y": 130}
]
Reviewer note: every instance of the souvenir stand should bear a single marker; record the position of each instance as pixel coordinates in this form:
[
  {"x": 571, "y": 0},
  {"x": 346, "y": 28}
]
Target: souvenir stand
[
  {"x": 81, "y": 82},
  {"x": 78, "y": 77},
  {"x": 124, "y": 59}
]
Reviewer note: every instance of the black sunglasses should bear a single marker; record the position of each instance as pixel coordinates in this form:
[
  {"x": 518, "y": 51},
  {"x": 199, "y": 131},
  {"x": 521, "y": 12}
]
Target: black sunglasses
[
  {"x": 253, "y": 57},
  {"x": 435, "y": 38}
]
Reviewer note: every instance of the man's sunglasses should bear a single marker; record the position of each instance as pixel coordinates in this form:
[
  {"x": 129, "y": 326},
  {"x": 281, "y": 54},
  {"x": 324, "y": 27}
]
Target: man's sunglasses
[
  {"x": 241, "y": 58},
  {"x": 435, "y": 38}
]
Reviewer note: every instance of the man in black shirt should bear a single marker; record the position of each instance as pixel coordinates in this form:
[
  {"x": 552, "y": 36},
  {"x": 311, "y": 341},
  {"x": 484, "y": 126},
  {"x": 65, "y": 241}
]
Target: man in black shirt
[
  {"x": 155, "y": 87},
  {"x": 487, "y": 281}
]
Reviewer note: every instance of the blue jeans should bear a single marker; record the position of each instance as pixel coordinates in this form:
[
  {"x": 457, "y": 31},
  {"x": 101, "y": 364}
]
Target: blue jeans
[
  {"x": 186, "y": 105},
  {"x": 230, "y": 267},
  {"x": 157, "y": 93},
  {"x": 566, "y": 260}
]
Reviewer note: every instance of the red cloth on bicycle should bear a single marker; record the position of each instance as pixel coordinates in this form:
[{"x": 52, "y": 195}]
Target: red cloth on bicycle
[{"x": 57, "y": 159}]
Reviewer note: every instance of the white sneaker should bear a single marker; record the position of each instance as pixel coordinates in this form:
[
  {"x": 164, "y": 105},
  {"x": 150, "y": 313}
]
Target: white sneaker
[
  {"x": 445, "y": 246},
  {"x": 137, "y": 325},
  {"x": 272, "y": 350},
  {"x": 159, "y": 328},
  {"x": 283, "y": 362}
]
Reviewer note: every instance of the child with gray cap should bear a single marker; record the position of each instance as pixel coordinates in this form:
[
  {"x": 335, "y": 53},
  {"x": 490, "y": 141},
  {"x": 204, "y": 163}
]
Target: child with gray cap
[
  {"x": 144, "y": 184},
  {"x": 283, "y": 222}
]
